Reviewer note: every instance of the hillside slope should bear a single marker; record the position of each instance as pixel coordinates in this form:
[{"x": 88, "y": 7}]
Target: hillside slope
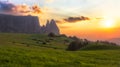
[{"x": 35, "y": 50}]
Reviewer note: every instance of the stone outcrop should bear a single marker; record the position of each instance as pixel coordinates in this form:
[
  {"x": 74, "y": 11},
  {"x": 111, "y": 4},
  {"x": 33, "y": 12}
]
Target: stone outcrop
[
  {"x": 26, "y": 24},
  {"x": 50, "y": 27}
]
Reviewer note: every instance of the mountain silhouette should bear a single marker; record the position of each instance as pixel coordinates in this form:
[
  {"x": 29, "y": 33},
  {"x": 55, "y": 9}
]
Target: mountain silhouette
[
  {"x": 26, "y": 24},
  {"x": 50, "y": 27},
  {"x": 115, "y": 40}
]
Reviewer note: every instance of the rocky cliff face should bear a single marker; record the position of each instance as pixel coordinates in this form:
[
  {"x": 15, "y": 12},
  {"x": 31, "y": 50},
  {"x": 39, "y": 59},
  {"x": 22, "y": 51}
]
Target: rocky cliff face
[
  {"x": 26, "y": 24},
  {"x": 50, "y": 27},
  {"x": 19, "y": 24}
]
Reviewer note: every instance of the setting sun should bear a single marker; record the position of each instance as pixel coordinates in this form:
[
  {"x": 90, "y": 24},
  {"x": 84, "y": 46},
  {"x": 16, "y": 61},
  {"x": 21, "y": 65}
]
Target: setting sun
[{"x": 109, "y": 23}]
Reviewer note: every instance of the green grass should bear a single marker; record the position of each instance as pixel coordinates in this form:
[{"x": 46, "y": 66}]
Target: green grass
[
  {"x": 100, "y": 46},
  {"x": 26, "y": 50}
]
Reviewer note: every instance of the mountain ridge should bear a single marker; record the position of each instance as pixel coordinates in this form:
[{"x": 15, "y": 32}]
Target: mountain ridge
[
  {"x": 115, "y": 40},
  {"x": 26, "y": 24}
]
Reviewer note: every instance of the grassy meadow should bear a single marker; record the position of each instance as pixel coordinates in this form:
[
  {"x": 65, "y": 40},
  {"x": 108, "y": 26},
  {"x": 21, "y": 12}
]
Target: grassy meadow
[{"x": 35, "y": 50}]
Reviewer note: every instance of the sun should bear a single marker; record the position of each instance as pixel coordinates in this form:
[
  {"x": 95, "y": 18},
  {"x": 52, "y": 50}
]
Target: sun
[{"x": 108, "y": 23}]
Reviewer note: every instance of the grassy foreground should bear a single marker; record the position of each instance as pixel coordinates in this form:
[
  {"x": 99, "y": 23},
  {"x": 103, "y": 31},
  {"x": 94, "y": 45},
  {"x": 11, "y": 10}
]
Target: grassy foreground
[{"x": 27, "y": 50}]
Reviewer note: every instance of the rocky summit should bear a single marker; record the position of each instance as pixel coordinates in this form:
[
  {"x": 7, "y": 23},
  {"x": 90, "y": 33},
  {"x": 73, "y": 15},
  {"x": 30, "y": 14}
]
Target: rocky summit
[
  {"x": 50, "y": 27},
  {"x": 26, "y": 24}
]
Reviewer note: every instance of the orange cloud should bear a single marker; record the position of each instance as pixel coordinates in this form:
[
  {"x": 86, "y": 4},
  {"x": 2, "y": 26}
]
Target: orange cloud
[
  {"x": 21, "y": 8},
  {"x": 6, "y": 7},
  {"x": 36, "y": 9}
]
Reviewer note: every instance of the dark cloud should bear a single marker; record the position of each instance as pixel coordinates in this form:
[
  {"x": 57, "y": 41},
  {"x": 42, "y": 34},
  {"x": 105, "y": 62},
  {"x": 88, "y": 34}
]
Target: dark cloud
[
  {"x": 75, "y": 19},
  {"x": 36, "y": 9},
  {"x": 4, "y": 6}
]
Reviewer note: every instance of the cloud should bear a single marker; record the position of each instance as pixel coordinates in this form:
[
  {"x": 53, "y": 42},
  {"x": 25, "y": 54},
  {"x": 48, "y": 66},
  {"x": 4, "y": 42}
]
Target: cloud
[
  {"x": 58, "y": 21},
  {"x": 21, "y": 8},
  {"x": 76, "y": 19},
  {"x": 36, "y": 9},
  {"x": 6, "y": 7},
  {"x": 64, "y": 27}
]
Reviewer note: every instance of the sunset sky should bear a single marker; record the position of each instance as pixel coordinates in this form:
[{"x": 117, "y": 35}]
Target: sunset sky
[{"x": 91, "y": 19}]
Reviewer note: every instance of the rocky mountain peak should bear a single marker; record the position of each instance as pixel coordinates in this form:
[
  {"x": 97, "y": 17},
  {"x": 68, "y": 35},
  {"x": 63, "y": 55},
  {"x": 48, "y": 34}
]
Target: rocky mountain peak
[{"x": 51, "y": 27}]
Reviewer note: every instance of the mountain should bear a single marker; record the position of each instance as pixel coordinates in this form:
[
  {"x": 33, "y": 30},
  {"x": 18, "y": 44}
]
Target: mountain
[
  {"x": 115, "y": 40},
  {"x": 19, "y": 24},
  {"x": 50, "y": 27},
  {"x": 25, "y": 24}
]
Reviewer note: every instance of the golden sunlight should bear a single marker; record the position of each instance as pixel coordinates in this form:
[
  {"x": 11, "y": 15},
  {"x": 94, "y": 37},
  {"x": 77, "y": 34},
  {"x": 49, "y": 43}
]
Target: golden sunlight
[{"x": 108, "y": 23}]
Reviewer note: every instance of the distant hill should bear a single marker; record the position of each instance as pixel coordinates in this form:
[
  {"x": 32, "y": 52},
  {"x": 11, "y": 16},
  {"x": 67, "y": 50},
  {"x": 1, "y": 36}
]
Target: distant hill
[{"x": 115, "y": 40}]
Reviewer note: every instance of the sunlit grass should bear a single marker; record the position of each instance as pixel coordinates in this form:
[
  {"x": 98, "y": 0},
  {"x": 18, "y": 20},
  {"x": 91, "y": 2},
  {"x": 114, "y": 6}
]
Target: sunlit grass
[{"x": 15, "y": 52}]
